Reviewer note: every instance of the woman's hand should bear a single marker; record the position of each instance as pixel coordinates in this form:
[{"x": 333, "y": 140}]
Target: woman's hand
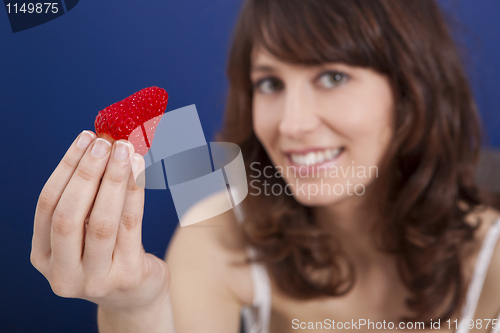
[{"x": 87, "y": 230}]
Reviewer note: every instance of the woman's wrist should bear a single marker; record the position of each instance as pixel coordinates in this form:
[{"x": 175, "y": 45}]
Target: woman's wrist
[{"x": 156, "y": 317}]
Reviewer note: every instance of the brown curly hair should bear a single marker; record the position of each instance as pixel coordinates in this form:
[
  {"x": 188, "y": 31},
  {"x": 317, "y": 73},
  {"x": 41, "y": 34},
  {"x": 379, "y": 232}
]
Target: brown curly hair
[{"x": 426, "y": 185}]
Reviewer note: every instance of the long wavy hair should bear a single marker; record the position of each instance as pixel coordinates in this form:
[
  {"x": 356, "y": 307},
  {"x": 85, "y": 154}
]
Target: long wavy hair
[{"x": 426, "y": 186}]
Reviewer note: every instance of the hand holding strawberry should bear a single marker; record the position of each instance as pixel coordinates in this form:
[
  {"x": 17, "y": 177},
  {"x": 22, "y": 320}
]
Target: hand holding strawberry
[{"x": 104, "y": 261}]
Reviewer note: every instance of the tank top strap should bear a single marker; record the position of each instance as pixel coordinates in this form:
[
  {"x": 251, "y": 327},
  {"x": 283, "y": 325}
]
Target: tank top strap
[
  {"x": 261, "y": 289},
  {"x": 478, "y": 276}
]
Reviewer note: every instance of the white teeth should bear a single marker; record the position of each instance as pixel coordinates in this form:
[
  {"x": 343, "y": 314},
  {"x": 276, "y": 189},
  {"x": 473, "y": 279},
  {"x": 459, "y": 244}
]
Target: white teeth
[
  {"x": 320, "y": 157},
  {"x": 315, "y": 157},
  {"x": 311, "y": 158},
  {"x": 328, "y": 154}
]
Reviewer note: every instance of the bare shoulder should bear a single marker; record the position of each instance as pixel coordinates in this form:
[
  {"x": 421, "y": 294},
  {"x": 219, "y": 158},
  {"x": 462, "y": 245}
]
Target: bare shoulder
[{"x": 211, "y": 253}]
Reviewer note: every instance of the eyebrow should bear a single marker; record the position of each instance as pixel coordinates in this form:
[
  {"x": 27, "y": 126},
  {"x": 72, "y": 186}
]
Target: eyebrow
[{"x": 262, "y": 68}]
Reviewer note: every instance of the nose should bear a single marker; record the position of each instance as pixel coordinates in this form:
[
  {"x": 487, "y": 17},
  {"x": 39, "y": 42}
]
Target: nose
[{"x": 299, "y": 117}]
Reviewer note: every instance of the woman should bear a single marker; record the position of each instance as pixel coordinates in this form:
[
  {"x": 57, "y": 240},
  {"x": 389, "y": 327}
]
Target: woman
[{"x": 370, "y": 214}]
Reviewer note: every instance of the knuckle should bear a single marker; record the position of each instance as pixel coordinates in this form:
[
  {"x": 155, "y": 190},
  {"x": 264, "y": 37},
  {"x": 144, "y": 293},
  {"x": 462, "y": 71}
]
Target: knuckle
[
  {"x": 128, "y": 277},
  {"x": 62, "y": 289},
  {"x": 129, "y": 220},
  {"x": 34, "y": 260},
  {"x": 101, "y": 230},
  {"x": 37, "y": 260},
  {"x": 47, "y": 200},
  {"x": 134, "y": 189},
  {"x": 85, "y": 173},
  {"x": 95, "y": 290},
  {"x": 115, "y": 178},
  {"x": 68, "y": 163},
  {"x": 130, "y": 281},
  {"x": 63, "y": 223}
]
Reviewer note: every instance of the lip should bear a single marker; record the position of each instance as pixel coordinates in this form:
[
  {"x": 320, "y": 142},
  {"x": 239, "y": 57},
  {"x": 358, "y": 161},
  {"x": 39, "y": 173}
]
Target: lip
[{"x": 315, "y": 169}]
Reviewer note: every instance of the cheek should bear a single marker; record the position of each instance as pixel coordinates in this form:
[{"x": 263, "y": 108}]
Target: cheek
[
  {"x": 265, "y": 118},
  {"x": 359, "y": 115},
  {"x": 364, "y": 120},
  {"x": 378, "y": 124}
]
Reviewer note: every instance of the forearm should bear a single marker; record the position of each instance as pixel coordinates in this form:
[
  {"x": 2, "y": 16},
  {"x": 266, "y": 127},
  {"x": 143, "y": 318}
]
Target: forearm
[{"x": 155, "y": 319}]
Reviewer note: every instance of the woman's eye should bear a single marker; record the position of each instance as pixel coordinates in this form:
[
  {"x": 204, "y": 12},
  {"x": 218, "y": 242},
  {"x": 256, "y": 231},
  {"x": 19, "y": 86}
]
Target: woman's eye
[
  {"x": 269, "y": 85},
  {"x": 332, "y": 79}
]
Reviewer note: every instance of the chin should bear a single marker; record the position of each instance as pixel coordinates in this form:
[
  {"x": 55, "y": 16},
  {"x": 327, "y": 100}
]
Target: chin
[
  {"x": 318, "y": 200},
  {"x": 310, "y": 195},
  {"x": 318, "y": 192}
]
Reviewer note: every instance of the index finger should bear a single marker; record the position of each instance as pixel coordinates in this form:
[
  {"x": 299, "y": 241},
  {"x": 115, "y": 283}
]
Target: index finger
[{"x": 52, "y": 191}]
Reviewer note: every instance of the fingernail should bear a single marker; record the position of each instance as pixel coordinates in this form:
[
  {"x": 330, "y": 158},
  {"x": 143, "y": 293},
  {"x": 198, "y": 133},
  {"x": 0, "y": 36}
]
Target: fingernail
[
  {"x": 85, "y": 139},
  {"x": 122, "y": 150},
  {"x": 135, "y": 162},
  {"x": 101, "y": 148}
]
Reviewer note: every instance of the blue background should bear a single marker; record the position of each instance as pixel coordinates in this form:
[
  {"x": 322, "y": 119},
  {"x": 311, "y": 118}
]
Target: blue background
[{"x": 54, "y": 78}]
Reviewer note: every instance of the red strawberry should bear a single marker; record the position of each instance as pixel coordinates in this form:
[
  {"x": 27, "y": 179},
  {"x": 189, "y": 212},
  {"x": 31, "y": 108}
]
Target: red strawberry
[{"x": 119, "y": 120}]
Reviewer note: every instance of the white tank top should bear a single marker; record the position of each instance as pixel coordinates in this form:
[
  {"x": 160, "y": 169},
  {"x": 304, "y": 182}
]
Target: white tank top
[{"x": 256, "y": 318}]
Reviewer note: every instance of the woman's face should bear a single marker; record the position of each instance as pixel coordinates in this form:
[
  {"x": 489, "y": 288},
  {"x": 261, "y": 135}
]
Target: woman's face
[{"x": 325, "y": 128}]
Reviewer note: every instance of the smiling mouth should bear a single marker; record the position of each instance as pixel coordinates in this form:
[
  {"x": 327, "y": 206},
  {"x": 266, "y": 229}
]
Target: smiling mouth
[{"x": 316, "y": 157}]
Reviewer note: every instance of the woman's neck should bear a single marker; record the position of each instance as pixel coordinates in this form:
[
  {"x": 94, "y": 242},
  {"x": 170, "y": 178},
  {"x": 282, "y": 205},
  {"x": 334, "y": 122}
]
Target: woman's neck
[{"x": 352, "y": 222}]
